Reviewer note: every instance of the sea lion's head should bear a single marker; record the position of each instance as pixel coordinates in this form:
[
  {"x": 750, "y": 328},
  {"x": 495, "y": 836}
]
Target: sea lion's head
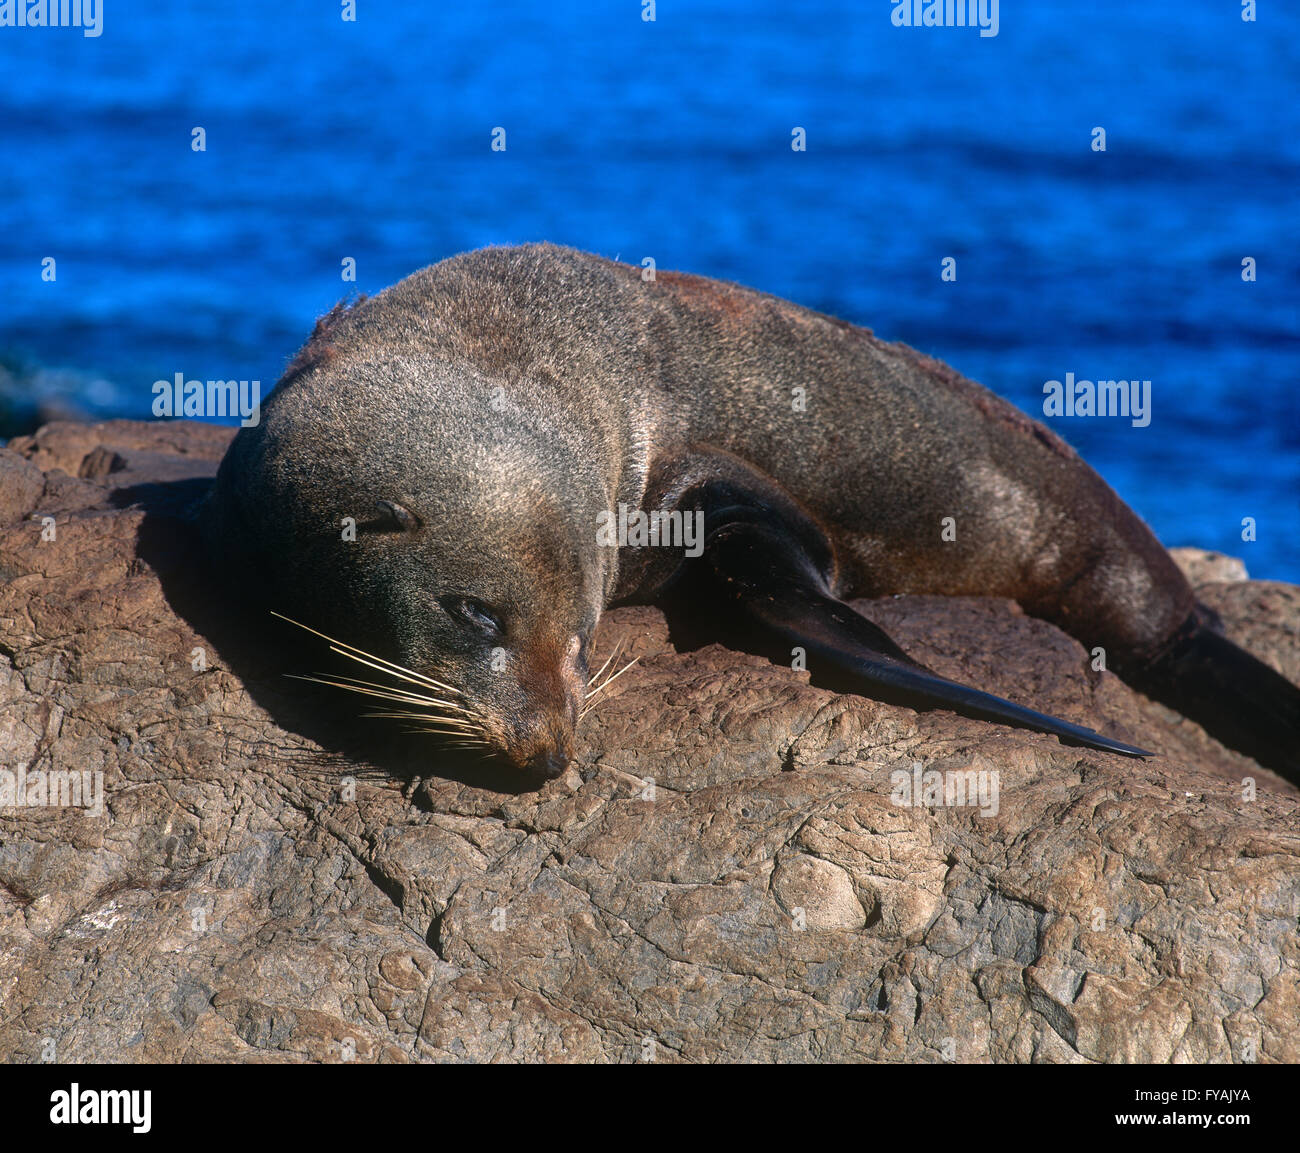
[{"x": 441, "y": 521}]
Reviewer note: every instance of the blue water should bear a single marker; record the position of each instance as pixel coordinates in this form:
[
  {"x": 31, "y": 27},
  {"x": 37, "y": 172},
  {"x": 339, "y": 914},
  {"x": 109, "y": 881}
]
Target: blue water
[{"x": 370, "y": 140}]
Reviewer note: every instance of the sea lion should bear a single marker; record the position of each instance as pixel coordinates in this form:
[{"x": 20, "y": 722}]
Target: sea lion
[{"x": 481, "y": 422}]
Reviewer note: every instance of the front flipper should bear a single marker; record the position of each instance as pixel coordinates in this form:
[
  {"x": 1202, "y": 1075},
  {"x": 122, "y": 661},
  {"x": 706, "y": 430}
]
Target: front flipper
[{"x": 757, "y": 588}]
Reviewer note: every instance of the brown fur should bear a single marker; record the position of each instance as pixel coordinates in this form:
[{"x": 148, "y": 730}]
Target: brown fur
[{"x": 508, "y": 396}]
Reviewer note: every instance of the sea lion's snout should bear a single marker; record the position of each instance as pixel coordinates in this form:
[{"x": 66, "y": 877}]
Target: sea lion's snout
[
  {"x": 541, "y": 744},
  {"x": 548, "y": 764},
  {"x": 544, "y": 748}
]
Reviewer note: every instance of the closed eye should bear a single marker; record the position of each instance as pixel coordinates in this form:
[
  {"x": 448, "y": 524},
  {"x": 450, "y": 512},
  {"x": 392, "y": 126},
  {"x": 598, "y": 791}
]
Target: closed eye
[{"x": 474, "y": 613}]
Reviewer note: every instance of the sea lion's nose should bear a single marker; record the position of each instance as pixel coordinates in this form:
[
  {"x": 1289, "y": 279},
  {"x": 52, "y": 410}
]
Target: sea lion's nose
[{"x": 550, "y": 763}]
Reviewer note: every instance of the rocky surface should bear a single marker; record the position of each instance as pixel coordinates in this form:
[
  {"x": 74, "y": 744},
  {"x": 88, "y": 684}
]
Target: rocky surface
[{"x": 724, "y": 876}]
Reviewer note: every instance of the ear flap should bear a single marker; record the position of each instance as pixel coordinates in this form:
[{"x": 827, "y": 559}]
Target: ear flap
[{"x": 398, "y": 517}]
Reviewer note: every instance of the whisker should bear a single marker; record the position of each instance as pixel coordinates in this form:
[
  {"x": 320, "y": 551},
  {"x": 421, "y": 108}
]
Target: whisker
[
  {"x": 599, "y": 688},
  {"x": 458, "y": 705},
  {"x": 610, "y": 680},
  {"x": 387, "y": 692},
  {"x": 415, "y": 678},
  {"x": 383, "y": 666},
  {"x": 596, "y": 675},
  {"x": 423, "y": 731},
  {"x": 401, "y": 699},
  {"x": 592, "y": 697},
  {"x": 447, "y": 746},
  {"x": 452, "y": 726}
]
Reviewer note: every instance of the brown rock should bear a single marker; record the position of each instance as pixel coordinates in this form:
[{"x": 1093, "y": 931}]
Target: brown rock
[
  {"x": 1202, "y": 568},
  {"x": 728, "y": 877}
]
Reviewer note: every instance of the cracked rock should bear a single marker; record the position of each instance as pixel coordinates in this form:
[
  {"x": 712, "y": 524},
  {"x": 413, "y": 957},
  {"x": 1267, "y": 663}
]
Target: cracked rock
[{"x": 269, "y": 877}]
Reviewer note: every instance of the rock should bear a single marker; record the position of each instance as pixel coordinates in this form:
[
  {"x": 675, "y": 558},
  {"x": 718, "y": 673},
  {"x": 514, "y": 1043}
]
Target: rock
[
  {"x": 728, "y": 877},
  {"x": 1202, "y": 568}
]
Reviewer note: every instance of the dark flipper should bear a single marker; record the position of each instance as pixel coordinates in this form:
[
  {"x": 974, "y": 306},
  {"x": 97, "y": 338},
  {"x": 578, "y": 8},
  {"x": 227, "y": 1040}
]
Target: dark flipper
[
  {"x": 1235, "y": 697},
  {"x": 756, "y": 587}
]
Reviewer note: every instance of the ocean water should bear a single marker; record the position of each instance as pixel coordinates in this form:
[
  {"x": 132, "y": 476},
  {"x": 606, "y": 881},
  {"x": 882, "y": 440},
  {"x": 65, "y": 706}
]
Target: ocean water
[{"x": 370, "y": 139}]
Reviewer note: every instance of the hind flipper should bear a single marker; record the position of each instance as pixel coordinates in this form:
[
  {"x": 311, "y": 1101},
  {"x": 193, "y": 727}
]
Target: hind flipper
[
  {"x": 756, "y": 587},
  {"x": 1234, "y": 696}
]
